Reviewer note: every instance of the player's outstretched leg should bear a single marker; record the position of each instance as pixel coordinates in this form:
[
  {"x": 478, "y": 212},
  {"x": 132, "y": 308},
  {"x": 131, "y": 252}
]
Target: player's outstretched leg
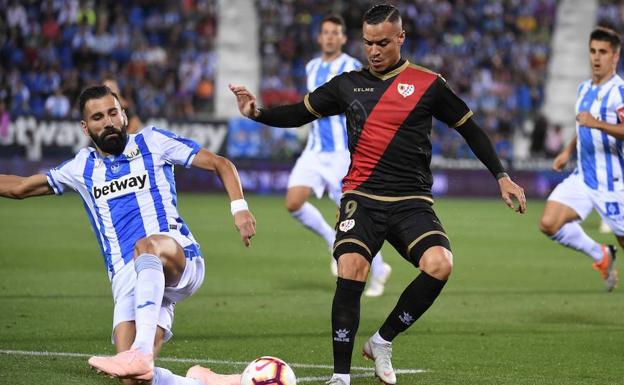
[
  {"x": 158, "y": 258},
  {"x": 436, "y": 266},
  {"x": 380, "y": 272},
  {"x": 138, "y": 362}
]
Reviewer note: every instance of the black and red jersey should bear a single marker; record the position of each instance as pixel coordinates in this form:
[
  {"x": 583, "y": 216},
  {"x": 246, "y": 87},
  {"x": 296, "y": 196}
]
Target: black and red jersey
[{"x": 389, "y": 120}]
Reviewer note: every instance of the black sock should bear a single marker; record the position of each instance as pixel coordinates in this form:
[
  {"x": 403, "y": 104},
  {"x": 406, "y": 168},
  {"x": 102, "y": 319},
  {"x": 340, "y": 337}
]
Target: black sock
[
  {"x": 414, "y": 301},
  {"x": 345, "y": 321}
]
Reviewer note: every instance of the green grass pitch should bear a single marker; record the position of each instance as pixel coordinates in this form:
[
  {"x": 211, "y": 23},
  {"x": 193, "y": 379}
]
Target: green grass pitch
[{"x": 518, "y": 309}]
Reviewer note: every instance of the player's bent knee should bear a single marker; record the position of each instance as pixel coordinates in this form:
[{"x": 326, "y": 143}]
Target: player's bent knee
[
  {"x": 353, "y": 266},
  {"x": 160, "y": 245},
  {"x": 147, "y": 245},
  {"x": 437, "y": 262},
  {"x": 548, "y": 225},
  {"x": 293, "y": 205}
]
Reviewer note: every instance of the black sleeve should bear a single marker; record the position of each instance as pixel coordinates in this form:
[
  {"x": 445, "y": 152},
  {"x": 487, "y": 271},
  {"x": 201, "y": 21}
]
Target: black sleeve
[
  {"x": 449, "y": 108},
  {"x": 324, "y": 101},
  {"x": 482, "y": 147},
  {"x": 292, "y": 115}
]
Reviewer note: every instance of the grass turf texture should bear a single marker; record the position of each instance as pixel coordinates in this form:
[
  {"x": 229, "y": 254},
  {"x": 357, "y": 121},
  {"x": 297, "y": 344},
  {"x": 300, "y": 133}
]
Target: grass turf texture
[{"x": 519, "y": 309}]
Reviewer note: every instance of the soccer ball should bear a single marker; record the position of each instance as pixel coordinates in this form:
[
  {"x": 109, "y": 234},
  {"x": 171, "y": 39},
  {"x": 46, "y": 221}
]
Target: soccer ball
[{"x": 268, "y": 371}]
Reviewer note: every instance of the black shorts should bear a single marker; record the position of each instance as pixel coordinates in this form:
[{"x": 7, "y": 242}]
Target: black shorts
[{"x": 410, "y": 225}]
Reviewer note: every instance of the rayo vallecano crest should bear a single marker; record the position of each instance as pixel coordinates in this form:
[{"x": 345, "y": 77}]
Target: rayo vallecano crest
[{"x": 405, "y": 89}]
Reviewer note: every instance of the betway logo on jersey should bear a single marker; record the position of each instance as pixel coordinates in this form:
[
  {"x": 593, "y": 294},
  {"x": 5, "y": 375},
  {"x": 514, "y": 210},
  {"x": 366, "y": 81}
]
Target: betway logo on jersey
[{"x": 122, "y": 186}]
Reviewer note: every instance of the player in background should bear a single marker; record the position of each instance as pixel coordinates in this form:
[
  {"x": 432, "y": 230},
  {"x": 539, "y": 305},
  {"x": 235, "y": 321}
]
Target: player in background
[
  {"x": 389, "y": 108},
  {"x": 152, "y": 259},
  {"x": 325, "y": 159},
  {"x": 134, "y": 122},
  {"x": 598, "y": 180}
]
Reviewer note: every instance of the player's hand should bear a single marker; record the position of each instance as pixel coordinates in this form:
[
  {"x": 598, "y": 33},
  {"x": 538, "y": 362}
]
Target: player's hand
[
  {"x": 560, "y": 161},
  {"x": 246, "y": 101},
  {"x": 246, "y": 225},
  {"x": 509, "y": 191},
  {"x": 586, "y": 119}
]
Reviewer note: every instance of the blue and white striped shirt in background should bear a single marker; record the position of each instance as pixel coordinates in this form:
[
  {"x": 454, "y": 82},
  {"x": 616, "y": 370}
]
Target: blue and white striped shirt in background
[
  {"x": 132, "y": 195},
  {"x": 328, "y": 134},
  {"x": 601, "y": 156}
]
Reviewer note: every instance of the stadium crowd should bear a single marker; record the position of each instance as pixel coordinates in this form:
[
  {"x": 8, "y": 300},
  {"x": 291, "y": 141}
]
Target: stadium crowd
[
  {"x": 159, "y": 51},
  {"x": 494, "y": 54}
]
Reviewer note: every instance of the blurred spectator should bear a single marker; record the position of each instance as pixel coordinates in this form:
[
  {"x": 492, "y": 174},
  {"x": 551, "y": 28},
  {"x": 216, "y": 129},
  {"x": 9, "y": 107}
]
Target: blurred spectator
[
  {"x": 554, "y": 140},
  {"x": 16, "y": 17},
  {"x": 5, "y": 119},
  {"x": 57, "y": 105},
  {"x": 20, "y": 102}
]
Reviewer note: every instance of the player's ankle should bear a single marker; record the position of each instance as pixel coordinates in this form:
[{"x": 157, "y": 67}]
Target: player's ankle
[
  {"x": 378, "y": 339},
  {"x": 346, "y": 378}
]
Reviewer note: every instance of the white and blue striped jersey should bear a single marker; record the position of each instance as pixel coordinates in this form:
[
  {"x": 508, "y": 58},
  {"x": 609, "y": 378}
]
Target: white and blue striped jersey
[
  {"x": 132, "y": 195},
  {"x": 328, "y": 134},
  {"x": 601, "y": 156}
]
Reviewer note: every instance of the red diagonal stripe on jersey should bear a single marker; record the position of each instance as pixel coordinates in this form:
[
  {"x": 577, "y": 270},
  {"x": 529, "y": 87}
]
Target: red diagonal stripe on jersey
[{"x": 383, "y": 123}]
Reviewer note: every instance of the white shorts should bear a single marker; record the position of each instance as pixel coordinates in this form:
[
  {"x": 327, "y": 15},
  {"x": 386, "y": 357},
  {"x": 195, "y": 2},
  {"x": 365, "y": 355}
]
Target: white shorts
[
  {"x": 321, "y": 171},
  {"x": 574, "y": 193},
  {"x": 123, "y": 292}
]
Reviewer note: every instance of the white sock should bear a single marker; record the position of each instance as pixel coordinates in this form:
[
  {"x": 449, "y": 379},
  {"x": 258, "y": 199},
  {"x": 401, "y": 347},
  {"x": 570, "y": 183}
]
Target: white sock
[
  {"x": 572, "y": 235},
  {"x": 377, "y": 266},
  {"x": 344, "y": 377},
  {"x": 378, "y": 339},
  {"x": 165, "y": 377},
  {"x": 148, "y": 294},
  {"x": 310, "y": 217}
]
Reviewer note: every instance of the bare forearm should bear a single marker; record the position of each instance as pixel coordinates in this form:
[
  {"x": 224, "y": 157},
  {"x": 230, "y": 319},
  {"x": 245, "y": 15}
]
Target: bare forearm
[
  {"x": 571, "y": 147},
  {"x": 226, "y": 171},
  {"x": 19, "y": 187},
  {"x": 615, "y": 130}
]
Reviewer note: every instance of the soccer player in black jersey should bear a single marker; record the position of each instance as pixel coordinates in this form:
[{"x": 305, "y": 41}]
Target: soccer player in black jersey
[{"x": 387, "y": 191}]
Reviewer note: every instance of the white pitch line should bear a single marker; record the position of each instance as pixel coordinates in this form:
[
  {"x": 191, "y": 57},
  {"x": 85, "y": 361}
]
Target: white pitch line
[
  {"x": 371, "y": 374},
  {"x": 213, "y": 361}
]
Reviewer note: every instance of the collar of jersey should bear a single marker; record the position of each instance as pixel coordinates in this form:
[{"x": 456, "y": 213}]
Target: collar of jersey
[
  {"x": 95, "y": 153},
  {"x": 603, "y": 85},
  {"x": 392, "y": 73}
]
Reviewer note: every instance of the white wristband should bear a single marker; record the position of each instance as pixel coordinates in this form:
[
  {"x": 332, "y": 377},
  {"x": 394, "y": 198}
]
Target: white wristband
[{"x": 238, "y": 205}]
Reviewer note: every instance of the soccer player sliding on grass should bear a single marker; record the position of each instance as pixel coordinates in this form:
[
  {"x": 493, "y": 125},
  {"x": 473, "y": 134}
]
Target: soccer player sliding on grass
[{"x": 153, "y": 261}]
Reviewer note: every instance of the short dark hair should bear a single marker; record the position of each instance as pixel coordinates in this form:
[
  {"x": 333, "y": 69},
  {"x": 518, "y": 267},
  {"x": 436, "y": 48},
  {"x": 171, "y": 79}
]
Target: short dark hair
[
  {"x": 608, "y": 35},
  {"x": 379, "y": 13},
  {"x": 336, "y": 19},
  {"x": 94, "y": 92}
]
